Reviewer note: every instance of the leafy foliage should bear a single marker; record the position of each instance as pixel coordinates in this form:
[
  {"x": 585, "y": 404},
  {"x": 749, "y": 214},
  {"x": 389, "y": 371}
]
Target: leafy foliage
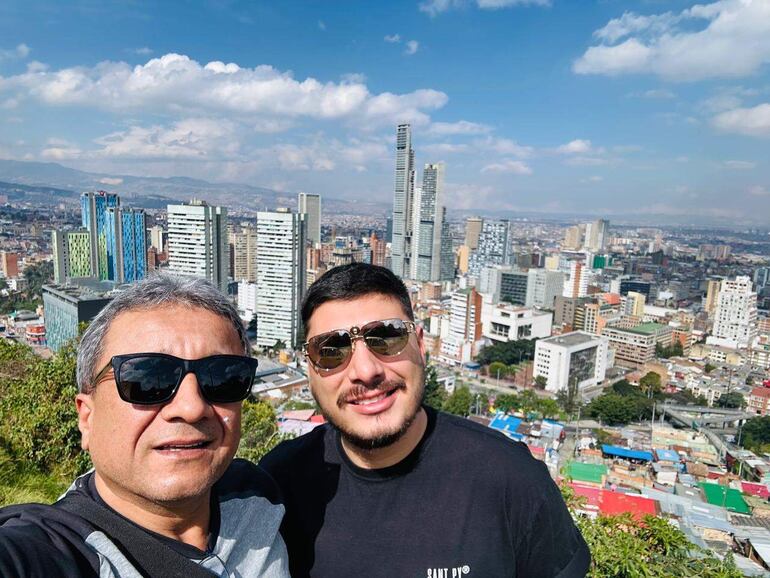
[
  {"x": 624, "y": 547},
  {"x": 508, "y": 352},
  {"x": 541, "y": 381},
  {"x": 259, "y": 430},
  {"x": 459, "y": 402},
  {"x": 756, "y": 434},
  {"x": 434, "y": 395},
  {"x": 674, "y": 350},
  {"x": 650, "y": 382},
  {"x": 733, "y": 399}
]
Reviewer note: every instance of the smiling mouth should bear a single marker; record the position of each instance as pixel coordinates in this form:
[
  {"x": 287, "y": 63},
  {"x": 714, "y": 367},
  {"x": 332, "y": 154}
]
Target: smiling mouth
[
  {"x": 371, "y": 400},
  {"x": 182, "y": 447}
]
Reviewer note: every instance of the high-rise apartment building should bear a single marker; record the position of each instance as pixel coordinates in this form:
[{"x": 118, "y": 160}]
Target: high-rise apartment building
[
  {"x": 132, "y": 245},
  {"x": 735, "y": 317},
  {"x": 472, "y": 232},
  {"x": 576, "y": 285},
  {"x": 280, "y": 277},
  {"x": 244, "y": 249},
  {"x": 71, "y": 255},
  {"x": 432, "y": 258},
  {"x": 197, "y": 242},
  {"x": 156, "y": 238},
  {"x": 596, "y": 235},
  {"x": 378, "y": 247},
  {"x": 310, "y": 204},
  {"x": 401, "y": 246},
  {"x": 633, "y": 304},
  {"x": 543, "y": 286},
  {"x": 493, "y": 247},
  {"x": 94, "y": 207},
  {"x": 573, "y": 237}
]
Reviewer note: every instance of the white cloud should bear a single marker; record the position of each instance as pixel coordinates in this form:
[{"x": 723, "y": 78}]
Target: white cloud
[
  {"x": 759, "y": 191},
  {"x": 594, "y": 179},
  {"x": 583, "y": 161},
  {"x": 176, "y": 84},
  {"x": 21, "y": 51},
  {"x": 142, "y": 51},
  {"x": 393, "y": 38},
  {"x": 412, "y": 46},
  {"x": 462, "y": 127},
  {"x": 192, "y": 138},
  {"x": 113, "y": 181},
  {"x": 436, "y": 7},
  {"x": 727, "y": 38},
  {"x": 437, "y": 149},
  {"x": 740, "y": 165},
  {"x": 654, "y": 94},
  {"x": 508, "y": 166},
  {"x": 577, "y": 146},
  {"x": 321, "y": 25},
  {"x": 747, "y": 121},
  {"x": 503, "y": 146}
]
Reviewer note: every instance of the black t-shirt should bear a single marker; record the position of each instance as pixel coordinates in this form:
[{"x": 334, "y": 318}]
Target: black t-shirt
[{"x": 466, "y": 502}]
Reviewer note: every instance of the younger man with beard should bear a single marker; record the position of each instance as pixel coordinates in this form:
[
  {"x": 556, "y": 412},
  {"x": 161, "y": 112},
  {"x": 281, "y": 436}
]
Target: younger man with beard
[{"x": 394, "y": 488}]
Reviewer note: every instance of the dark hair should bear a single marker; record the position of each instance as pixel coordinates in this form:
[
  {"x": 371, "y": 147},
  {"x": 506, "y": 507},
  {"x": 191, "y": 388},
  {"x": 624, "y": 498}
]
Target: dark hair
[{"x": 348, "y": 282}]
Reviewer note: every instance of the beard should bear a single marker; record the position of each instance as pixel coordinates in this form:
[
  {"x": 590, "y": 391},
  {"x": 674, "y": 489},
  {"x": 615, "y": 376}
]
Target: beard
[{"x": 378, "y": 438}]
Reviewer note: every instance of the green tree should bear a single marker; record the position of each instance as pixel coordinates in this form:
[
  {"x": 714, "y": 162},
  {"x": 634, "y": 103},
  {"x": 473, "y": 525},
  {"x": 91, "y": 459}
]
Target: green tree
[
  {"x": 528, "y": 401},
  {"x": 459, "y": 402},
  {"x": 507, "y": 402},
  {"x": 541, "y": 381},
  {"x": 733, "y": 399},
  {"x": 259, "y": 430},
  {"x": 756, "y": 434},
  {"x": 624, "y": 387},
  {"x": 613, "y": 409},
  {"x": 497, "y": 370},
  {"x": 253, "y": 323},
  {"x": 709, "y": 367},
  {"x": 650, "y": 383},
  {"x": 548, "y": 408},
  {"x": 508, "y": 352},
  {"x": 434, "y": 394}
]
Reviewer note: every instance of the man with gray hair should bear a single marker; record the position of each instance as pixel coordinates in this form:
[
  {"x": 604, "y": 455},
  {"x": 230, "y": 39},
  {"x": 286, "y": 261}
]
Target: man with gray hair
[{"x": 161, "y": 372}]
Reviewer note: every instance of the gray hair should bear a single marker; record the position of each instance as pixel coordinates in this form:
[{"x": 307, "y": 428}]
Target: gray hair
[{"x": 157, "y": 291}]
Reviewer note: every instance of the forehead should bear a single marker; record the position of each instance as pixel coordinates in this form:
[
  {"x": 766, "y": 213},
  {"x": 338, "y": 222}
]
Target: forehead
[
  {"x": 342, "y": 314},
  {"x": 170, "y": 329}
]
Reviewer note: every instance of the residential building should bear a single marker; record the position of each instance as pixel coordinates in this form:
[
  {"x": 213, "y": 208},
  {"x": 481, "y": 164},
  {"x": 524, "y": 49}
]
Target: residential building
[
  {"x": 504, "y": 322},
  {"x": 310, "y": 204},
  {"x": 67, "y": 306},
  {"x": 576, "y": 284},
  {"x": 493, "y": 248},
  {"x": 401, "y": 246},
  {"x": 712, "y": 296},
  {"x": 596, "y": 235},
  {"x": 759, "y": 400},
  {"x": 197, "y": 242},
  {"x": 735, "y": 317},
  {"x": 573, "y": 238},
  {"x": 247, "y": 300},
  {"x": 280, "y": 277},
  {"x": 465, "y": 327},
  {"x": 472, "y": 231},
  {"x": 379, "y": 250},
  {"x": 633, "y": 304},
  {"x": 543, "y": 286},
  {"x": 94, "y": 207},
  {"x": 157, "y": 235},
  {"x": 126, "y": 244},
  {"x": 635, "y": 347},
  {"x": 71, "y": 255},
  {"x": 243, "y": 245},
  {"x": 574, "y": 359}
]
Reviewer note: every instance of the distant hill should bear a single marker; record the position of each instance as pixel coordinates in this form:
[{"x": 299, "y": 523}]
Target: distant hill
[{"x": 154, "y": 192}]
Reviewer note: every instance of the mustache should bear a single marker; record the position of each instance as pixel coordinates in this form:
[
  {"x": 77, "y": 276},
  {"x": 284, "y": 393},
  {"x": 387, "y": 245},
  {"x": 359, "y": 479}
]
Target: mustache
[{"x": 356, "y": 391}]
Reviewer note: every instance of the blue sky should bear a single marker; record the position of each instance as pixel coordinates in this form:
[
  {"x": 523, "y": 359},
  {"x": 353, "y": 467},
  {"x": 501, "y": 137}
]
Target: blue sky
[{"x": 606, "y": 107}]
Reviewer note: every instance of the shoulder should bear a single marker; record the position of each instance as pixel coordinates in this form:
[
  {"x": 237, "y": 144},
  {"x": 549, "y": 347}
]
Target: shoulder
[
  {"x": 244, "y": 479},
  {"x": 44, "y": 540},
  {"x": 298, "y": 452},
  {"x": 484, "y": 448}
]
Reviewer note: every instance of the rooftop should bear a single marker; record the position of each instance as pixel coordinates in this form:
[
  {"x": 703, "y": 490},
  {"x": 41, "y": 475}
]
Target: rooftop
[
  {"x": 648, "y": 328},
  {"x": 571, "y": 339}
]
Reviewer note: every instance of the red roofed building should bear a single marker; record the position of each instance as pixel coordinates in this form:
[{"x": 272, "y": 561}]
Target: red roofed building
[
  {"x": 759, "y": 400},
  {"x": 609, "y": 503}
]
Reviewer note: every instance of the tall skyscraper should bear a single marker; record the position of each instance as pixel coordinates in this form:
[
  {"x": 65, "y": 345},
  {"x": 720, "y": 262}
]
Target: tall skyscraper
[
  {"x": 310, "y": 204},
  {"x": 596, "y": 235},
  {"x": 401, "y": 248},
  {"x": 197, "y": 241},
  {"x": 280, "y": 277},
  {"x": 432, "y": 258},
  {"x": 244, "y": 248},
  {"x": 156, "y": 238},
  {"x": 735, "y": 319},
  {"x": 133, "y": 245},
  {"x": 543, "y": 286},
  {"x": 94, "y": 217}
]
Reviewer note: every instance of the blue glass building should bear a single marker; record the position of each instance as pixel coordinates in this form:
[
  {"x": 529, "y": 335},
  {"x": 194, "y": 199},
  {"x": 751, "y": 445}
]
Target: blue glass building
[
  {"x": 133, "y": 224},
  {"x": 103, "y": 235}
]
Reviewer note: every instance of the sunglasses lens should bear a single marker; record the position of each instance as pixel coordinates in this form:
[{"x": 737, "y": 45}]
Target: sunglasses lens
[
  {"x": 329, "y": 350},
  {"x": 226, "y": 380},
  {"x": 386, "y": 338},
  {"x": 148, "y": 380}
]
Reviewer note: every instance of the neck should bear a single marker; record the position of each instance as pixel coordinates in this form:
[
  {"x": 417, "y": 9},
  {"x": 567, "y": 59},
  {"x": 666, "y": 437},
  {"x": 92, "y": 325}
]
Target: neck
[
  {"x": 186, "y": 521},
  {"x": 392, "y": 454}
]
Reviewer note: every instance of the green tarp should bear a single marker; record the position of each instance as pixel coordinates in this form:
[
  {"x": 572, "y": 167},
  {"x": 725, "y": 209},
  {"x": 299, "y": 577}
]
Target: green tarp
[
  {"x": 715, "y": 495},
  {"x": 581, "y": 472}
]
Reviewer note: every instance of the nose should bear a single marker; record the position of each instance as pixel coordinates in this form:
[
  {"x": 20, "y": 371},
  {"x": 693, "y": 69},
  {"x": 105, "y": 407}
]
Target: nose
[
  {"x": 188, "y": 404},
  {"x": 364, "y": 367}
]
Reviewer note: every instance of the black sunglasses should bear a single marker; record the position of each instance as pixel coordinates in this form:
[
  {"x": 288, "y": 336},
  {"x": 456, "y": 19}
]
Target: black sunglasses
[
  {"x": 330, "y": 350},
  {"x": 151, "y": 378}
]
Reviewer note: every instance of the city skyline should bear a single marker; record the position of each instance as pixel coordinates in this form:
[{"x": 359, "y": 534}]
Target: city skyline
[{"x": 542, "y": 106}]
